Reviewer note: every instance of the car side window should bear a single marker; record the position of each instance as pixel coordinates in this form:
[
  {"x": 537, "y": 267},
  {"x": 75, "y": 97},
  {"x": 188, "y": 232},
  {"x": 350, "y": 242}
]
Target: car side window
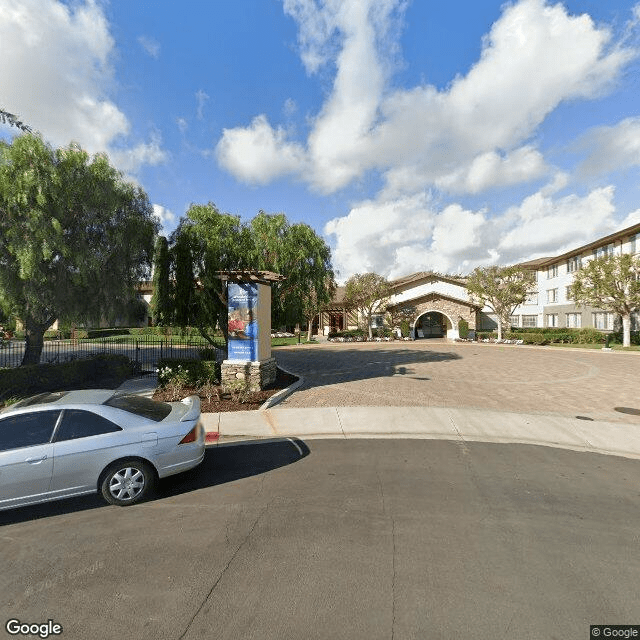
[
  {"x": 77, "y": 423},
  {"x": 27, "y": 430}
]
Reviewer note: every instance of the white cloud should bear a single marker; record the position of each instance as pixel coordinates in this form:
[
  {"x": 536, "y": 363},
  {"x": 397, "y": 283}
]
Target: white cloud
[
  {"x": 57, "y": 74},
  {"x": 542, "y": 225},
  {"x": 201, "y": 100},
  {"x": 491, "y": 169},
  {"x": 183, "y": 125},
  {"x": 164, "y": 216},
  {"x": 631, "y": 219},
  {"x": 401, "y": 236},
  {"x": 150, "y": 45},
  {"x": 289, "y": 107},
  {"x": 612, "y": 148},
  {"x": 473, "y": 135},
  {"x": 258, "y": 153},
  {"x": 146, "y": 153}
]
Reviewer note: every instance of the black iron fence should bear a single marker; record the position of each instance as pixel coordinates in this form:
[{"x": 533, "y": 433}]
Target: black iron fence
[{"x": 145, "y": 351}]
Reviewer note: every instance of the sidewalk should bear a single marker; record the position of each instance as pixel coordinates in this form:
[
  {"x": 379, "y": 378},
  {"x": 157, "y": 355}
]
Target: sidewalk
[
  {"x": 438, "y": 423},
  {"x": 435, "y": 423}
]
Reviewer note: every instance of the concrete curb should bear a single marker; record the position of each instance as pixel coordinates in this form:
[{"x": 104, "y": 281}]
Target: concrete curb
[
  {"x": 434, "y": 423},
  {"x": 281, "y": 395}
]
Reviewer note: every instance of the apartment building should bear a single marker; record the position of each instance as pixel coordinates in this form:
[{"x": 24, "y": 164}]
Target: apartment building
[{"x": 551, "y": 305}]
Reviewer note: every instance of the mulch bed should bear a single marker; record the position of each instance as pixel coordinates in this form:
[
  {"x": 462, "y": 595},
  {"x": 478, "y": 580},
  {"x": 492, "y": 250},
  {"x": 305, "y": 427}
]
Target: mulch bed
[{"x": 251, "y": 401}]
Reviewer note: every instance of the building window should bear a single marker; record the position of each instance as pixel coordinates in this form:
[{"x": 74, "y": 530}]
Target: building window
[
  {"x": 603, "y": 252},
  {"x": 635, "y": 243},
  {"x": 552, "y": 271},
  {"x": 529, "y": 321},
  {"x": 377, "y": 321},
  {"x": 552, "y": 320},
  {"x": 573, "y": 264},
  {"x": 574, "y": 320},
  {"x": 567, "y": 294},
  {"x": 532, "y": 298},
  {"x": 603, "y": 320},
  {"x": 514, "y": 321},
  {"x": 552, "y": 295},
  {"x": 635, "y": 321}
]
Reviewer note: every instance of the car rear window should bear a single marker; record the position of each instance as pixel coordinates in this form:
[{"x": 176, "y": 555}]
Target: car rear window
[
  {"x": 140, "y": 406},
  {"x": 41, "y": 398}
]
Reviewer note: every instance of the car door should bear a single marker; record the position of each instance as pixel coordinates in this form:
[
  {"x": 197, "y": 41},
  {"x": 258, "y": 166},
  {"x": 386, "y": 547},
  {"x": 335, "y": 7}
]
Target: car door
[
  {"x": 26, "y": 457},
  {"x": 84, "y": 443}
]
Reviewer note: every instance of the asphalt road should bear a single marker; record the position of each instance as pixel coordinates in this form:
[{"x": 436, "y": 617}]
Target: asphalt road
[{"x": 334, "y": 539}]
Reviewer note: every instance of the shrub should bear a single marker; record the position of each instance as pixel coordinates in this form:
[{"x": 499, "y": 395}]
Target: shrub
[
  {"x": 463, "y": 328},
  {"x": 405, "y": 329},
  {"x": 616, "y": 338},
  {"x": 196, "y": 372},
  {"x": 81, "y": 373}
]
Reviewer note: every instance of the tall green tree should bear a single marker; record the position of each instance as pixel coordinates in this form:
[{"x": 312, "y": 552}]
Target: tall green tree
[
  {"x": 75, "y": 238},
  {"x": 221, "y": 242},
  {"x": 502, "y": 289},
  {"x": 184, "y": 288},
  {"x": 216, "y": 242},
  {"x": 299, "y": 254},
  {"x": 611, "y": 283},
  {"x": 161, "y": 304},
  {"x": 368, "y": 293}
]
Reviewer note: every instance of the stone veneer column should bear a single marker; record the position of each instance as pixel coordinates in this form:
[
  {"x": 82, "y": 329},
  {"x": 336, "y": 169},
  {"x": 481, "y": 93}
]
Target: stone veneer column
[{"x": 255, "y": 376}]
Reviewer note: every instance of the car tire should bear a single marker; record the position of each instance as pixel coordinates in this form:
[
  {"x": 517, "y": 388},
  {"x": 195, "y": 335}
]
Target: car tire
[{"x": 127, "y": 482}]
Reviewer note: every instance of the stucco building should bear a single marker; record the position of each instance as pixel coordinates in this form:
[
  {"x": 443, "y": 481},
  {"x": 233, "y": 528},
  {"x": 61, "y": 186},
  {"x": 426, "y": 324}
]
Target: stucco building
[{"x": 441, "y": 301}]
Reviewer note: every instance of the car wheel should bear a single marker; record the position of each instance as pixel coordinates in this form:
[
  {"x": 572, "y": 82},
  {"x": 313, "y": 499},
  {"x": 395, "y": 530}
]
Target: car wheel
[{"x": 127, "y": 482}]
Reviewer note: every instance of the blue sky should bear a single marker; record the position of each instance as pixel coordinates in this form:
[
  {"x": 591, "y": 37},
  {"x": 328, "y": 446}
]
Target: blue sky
[{"x": 411, "y": 135}]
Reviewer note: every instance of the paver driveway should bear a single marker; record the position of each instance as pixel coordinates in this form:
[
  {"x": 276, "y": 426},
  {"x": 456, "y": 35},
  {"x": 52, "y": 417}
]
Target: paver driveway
[{"x": 591, "y": 384}]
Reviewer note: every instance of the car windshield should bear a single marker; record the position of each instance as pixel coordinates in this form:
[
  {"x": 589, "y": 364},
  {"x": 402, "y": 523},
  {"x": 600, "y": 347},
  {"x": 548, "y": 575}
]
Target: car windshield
[
  {"x": 140, "y": 406},
  {"x": 41, "y": 398}
]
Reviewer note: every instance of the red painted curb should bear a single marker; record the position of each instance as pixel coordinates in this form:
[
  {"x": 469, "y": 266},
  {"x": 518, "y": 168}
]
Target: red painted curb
[{"x": 211, "y": 436}]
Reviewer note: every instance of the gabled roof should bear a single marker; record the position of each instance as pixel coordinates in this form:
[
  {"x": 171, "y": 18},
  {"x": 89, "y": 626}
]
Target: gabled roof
[
  {"x": 429, "y": 276},
  {"x": 435, "y": 294}
]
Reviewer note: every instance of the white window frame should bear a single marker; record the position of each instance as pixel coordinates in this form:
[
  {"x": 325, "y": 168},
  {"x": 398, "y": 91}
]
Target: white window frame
[
  {"x": 552, "y": 271},
  {"x": 603, "y": 318},
  {"x": 603, "y": 252},
  {"x": 552, "y": 319},
  {"x": 527, "y": 318},
  {"x": 573, "y": 321},
  {"x": 514, "y": 321},
  {"x": 552, "y": 295},
  {"x": 573, "y": 264},
  {"x": 532, "y": 298}
]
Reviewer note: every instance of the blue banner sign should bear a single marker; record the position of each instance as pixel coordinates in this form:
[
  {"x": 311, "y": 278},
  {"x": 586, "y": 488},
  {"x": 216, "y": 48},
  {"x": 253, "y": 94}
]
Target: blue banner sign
[{"x": 243, "y": 321}]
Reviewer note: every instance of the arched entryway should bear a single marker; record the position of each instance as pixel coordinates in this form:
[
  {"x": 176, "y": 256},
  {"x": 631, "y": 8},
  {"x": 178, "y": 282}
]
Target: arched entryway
[{"x": 434, "y": 324}]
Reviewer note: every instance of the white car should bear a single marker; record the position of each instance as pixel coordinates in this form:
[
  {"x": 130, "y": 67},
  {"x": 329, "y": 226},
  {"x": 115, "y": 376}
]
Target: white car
[{"x": 71, "y": 443}]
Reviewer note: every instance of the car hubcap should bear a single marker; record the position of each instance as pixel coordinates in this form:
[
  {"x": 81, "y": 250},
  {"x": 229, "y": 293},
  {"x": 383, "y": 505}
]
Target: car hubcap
[{"x": 126, "y": 484}]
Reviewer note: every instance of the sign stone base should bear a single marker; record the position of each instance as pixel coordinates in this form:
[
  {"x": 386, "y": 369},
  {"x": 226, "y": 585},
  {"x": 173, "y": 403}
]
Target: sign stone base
[{"x": 253, "y": 376}]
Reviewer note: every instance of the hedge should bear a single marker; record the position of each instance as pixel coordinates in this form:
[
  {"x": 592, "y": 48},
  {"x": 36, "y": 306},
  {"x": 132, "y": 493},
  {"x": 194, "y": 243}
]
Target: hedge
[
  {"x": 549, "y": 335},
  {"x": 89, "y": 372}
]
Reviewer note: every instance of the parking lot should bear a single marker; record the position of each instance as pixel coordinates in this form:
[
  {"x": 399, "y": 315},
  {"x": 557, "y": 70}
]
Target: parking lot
[{"x": 436, "y": 373}]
